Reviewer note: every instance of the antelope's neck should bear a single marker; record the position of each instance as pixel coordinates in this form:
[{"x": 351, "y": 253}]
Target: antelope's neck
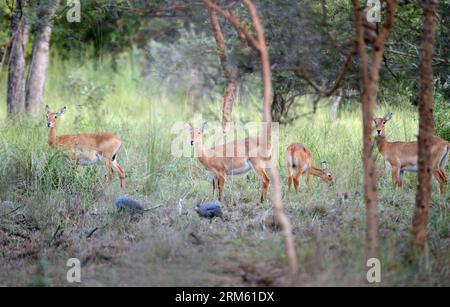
[
  {"x": 201, "y": 153},
  {"x": 52, "y": 139},
  {"x": 381, "y": 143},
  {"x": 315, "y": 171}
]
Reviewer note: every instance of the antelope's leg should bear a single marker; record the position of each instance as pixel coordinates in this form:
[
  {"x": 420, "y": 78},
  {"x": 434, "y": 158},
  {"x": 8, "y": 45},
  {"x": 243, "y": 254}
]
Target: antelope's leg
[
  {"x": 441, "y": 179},
  {"x": 108, "y": 164},
  {"x": 220, "y": 185},
  {"x": 400, "y": 179},
  {"x": 120, "y": 171},
  {"x": 289, "y": 177},
  {"x": 395, "y": 176},
  {"x": 297, "y": 177},
  {"x": 259, "y": 169}
]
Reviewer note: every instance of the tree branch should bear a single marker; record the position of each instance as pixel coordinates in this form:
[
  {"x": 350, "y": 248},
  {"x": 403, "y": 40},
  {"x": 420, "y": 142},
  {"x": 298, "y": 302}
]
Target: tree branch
[
  {"x": 319, "y": 89},
  {"x": 235, "y": 23}
]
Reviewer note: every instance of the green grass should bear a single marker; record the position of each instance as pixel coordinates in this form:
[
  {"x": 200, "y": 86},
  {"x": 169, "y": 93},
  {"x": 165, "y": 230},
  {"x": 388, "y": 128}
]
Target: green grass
[{"x": 60, "y": 205}]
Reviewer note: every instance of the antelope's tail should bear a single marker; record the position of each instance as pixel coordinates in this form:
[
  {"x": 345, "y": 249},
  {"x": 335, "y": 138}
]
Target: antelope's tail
[{"x": 292, "y": 159}]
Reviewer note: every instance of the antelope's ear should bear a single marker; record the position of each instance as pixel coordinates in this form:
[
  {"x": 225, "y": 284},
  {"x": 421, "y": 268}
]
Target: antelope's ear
[
  {"x": 188, "y": 126},
  {"x": 62, "y": 111},
  {"x": 47, "y": 109},
  {"x": 388, "y": 117},
  {"x": 374, "y": 119},
  {"x": 205, "y": 125}
]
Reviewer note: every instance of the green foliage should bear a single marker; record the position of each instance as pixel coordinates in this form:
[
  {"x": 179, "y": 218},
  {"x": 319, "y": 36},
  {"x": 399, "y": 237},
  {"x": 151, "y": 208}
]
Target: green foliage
[
  {"x": 110, "y": 26},
  {"x": 442, "y": 117},
  {"x": 5, "y": 14},
  {"x": 88, "y": 97},
  {"x": 187, "y": 66}
]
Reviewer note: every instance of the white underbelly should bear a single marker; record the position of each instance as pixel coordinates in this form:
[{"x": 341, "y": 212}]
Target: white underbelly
[
  {"x": 388, "y": 165},
  {"x": 409, "y": 168},
  {"x": 212, "y": 176},
  {"x": 240, "y": 170},
  {"x": 443, "y": 160},
  {"x": 406, "y": 168},
  {"x": 89, "y": 161}
]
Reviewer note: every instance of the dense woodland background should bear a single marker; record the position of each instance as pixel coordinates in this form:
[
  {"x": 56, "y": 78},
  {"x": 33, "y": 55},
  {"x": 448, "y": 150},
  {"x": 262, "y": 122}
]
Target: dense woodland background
[{"x": 135, "y": 67}]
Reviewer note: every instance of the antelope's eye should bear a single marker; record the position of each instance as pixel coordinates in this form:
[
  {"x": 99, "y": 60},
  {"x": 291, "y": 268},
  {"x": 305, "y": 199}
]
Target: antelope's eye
[
  {"x": 55, "y": 117},
  {"x": 329, "y": 175},
  {"x": 384, "y": 122}
]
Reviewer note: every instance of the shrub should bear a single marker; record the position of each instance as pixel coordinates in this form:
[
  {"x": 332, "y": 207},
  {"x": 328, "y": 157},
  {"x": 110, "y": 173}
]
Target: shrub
[{"x": 442, "y": 117}]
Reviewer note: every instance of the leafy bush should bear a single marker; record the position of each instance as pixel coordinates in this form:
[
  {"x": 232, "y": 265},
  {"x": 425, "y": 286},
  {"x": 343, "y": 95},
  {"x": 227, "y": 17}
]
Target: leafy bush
[
  {"x": 189, "y": 66},
  {"x": 442, "y": 117},
  {"x": 90, "y": 98}
]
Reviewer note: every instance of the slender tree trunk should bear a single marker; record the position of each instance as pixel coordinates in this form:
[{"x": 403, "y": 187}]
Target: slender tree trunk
[
  {"x": 39, "y": 59},
  {"x": 228, "y": 102},
  {"x": 16, "y": 65},
  {"x": 369, "y": 87},
  {"x": 5, "y": 56},
  {"x": 267, "y": 121},
  {"x": 232, "y": 74},
  {"x": 423, "y": 195},
  {"x": 259, "y": 43},
  {"x": 335, "y": 105}
]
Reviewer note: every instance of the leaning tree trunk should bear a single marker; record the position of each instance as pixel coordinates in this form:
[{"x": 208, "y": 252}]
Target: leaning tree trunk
[
  {"x": 39, "y": 59},
  {"x": 423, "y": 195},
  {"x": 15, "y": 99}
]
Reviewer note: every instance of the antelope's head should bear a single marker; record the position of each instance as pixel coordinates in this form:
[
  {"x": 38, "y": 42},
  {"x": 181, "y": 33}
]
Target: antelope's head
[
  {"x": 379, "y": 125},
  {"x": 52, "y": 118},
  {"x": 326, "y": 176},
  {"x": 196, "y": 133}
]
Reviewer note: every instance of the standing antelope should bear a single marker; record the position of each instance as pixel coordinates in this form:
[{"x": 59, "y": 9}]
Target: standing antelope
[
  {"x": 245, "y": 154},
  {"x": 403, "y": 156},
  {"x": 299, "y": 162},
  {"x": 87, "y": 148}
]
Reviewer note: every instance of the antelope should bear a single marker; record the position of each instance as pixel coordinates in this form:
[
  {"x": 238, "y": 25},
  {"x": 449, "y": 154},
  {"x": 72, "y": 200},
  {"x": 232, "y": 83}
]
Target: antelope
[
  {"x": 246, "y": 155},
  {"x": 299, "y": 162},
  {"x": 403, "y": 156},
  {"x": 87, "y": 148}
]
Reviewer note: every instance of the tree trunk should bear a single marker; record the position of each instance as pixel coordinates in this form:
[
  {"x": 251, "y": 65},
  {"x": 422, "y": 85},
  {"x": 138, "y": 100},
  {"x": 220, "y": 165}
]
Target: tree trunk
[
  {"x": 369, "y": 87},
  {"x": 39, "y": 59},
  {"x": 228, "y": 101},
  {"x": 16, "y": 65},
  {"x": 5, "y": 56},
  {"x": 259, "y": 43},
  {"x": 267, "y": 121},
  {"x": 335, "y": 106},
  {"x": 232, "y": 74},
  {"x": 278, "y": 107},
  {"x": 423, "y": 195}
]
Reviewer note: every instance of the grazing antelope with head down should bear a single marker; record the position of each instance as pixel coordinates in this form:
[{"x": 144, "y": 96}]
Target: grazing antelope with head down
[
  {"x": 299, "y": 162},
  {"x": 244, "y": 155},
  {"x": 403, "y": 156},
  {"x": 87, "y": 148}
]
